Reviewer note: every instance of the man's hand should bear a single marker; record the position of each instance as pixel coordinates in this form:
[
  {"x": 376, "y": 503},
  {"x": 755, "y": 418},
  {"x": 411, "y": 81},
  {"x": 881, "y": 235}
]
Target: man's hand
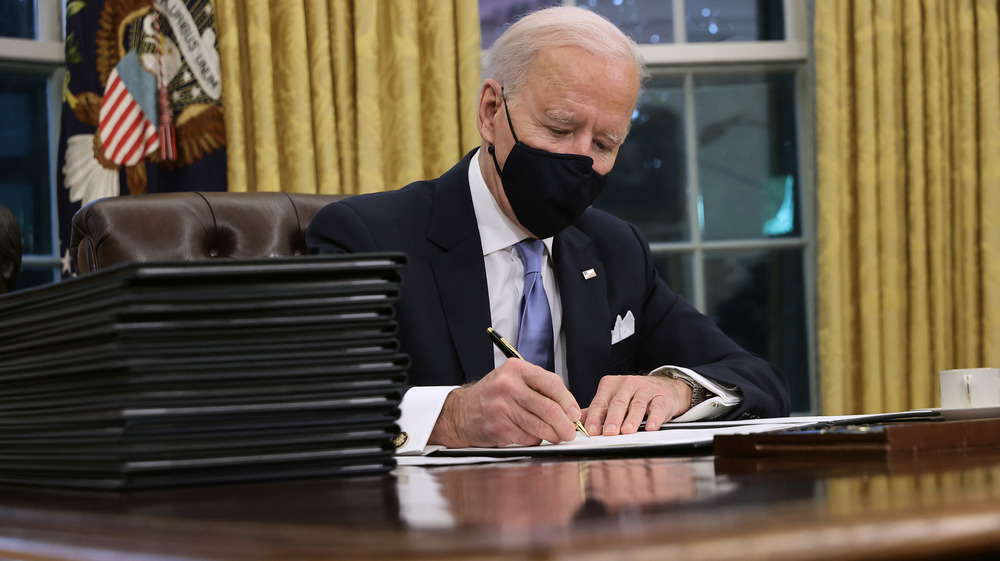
[
  {"x": 518, "y": 403},
  {"x": 622, "y": 401}
]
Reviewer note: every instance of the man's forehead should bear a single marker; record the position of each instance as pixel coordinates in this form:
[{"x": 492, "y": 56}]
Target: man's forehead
[{"x": 575, "y": 72}]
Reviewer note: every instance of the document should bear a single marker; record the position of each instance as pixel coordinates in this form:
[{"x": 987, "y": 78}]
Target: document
[
  {"x": 425, "y": 461},
  {"x": 663, "y": 439},
  {"x": 677, "y": 437}
]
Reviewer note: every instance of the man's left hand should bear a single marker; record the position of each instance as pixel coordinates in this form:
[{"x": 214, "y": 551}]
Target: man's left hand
[{"x": 621, "y": 403}]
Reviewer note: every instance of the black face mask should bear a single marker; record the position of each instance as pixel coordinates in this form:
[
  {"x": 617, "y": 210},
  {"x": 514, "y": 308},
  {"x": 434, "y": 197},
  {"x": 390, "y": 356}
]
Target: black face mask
[{"x": 547, "y": 191}]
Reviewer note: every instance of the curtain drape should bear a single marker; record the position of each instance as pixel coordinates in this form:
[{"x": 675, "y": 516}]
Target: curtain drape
[
  {"x": 347, "y": 96},
  {"x": 908, "y": 165}
]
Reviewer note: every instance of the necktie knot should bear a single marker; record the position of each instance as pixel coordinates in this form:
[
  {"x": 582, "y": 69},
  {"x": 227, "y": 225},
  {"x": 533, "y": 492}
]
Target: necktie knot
[{"x": 531, "y": 252}]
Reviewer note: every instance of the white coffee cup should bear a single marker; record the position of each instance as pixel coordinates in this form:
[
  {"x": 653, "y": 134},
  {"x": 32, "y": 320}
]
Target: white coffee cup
[{"x": 966, "y": 388}]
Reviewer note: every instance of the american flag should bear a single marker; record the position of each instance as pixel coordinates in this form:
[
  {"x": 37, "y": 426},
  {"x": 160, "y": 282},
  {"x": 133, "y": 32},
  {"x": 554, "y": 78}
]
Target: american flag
[{"x": 128, "y": 113}]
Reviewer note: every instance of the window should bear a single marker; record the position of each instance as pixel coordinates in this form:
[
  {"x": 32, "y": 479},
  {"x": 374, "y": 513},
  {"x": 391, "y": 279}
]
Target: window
[
  {"x": 716, "y": 170},
  {"x": 31, "y": 56}
]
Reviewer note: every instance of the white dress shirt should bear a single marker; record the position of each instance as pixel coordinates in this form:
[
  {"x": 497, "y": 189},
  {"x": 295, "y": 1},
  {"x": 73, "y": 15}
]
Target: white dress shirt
[{"x": 422, "y": 405}]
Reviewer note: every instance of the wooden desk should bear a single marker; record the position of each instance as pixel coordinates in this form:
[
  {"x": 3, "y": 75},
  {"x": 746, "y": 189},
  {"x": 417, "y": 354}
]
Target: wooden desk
[{"x": 663, "y": 508}]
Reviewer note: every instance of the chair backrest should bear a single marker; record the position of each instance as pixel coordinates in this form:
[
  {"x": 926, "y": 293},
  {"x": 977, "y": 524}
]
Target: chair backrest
[{"x": 192, "y": 225}]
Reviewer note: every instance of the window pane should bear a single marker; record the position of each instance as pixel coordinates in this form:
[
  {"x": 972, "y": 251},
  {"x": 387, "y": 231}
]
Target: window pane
[
  {"x": 734, "y": 20},
  {"x": 757, "y": 297},
  {"x": 24, "y": 158},
  {"x": 496, "y": 15},
  {"x": 35, "y": 276},
  {"x": 647, "y": 185},
  {"x": 17, "y": 18},
  {"x": 645, "y": 21},
  {"x": 675, "y": 269},
  {"x": 747, "y": 156}
]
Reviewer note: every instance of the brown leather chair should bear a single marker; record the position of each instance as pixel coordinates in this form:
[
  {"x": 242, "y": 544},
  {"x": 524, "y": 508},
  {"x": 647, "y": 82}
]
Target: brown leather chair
[{"x": 192, "y": 225}]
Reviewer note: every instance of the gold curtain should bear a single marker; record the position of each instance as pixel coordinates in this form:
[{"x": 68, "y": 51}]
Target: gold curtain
[
  {"x": 908, "y": 126},
  {"x": 347, "y": 96}
]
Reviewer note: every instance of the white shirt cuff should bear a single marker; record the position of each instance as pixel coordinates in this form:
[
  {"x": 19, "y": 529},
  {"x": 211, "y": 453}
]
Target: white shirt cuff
[
  {"x": 714, "y": 407},
  {"x": 419, "y": 412}
]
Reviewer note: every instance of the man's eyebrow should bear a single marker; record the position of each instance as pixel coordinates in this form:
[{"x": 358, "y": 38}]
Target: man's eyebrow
[
  {"x": 561, "y": 118},
  {"x": 613, "y": 138},
  {"x": 566, "y": 120}
]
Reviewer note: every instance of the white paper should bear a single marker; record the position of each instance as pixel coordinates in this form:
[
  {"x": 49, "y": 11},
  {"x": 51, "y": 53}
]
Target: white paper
[
  {"x": 679, "y": 436},
  {"x": 426, "y": 461},
  {"x": 672, "y": 438}
]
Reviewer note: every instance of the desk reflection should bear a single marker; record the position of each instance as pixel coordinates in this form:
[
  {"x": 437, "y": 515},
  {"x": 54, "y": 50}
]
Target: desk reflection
[
  {"x": 651, "y": 508},
  {"x": 552, "y": 493}
]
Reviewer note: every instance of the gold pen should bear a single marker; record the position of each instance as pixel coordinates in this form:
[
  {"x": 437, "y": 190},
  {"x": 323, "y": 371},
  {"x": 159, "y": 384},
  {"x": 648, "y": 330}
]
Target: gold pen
[{"x": 509, "y": 351}]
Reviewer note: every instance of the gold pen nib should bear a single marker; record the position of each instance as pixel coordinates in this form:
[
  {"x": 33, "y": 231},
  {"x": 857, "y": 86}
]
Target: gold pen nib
[{"x": 581, "y": 428}]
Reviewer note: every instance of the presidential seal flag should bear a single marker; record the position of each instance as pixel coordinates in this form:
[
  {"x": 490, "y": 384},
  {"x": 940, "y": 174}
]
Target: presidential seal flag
[{"x": 140, "y": 75}]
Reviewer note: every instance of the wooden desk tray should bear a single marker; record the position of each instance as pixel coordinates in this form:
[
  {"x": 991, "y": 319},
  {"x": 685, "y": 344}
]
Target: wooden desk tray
[{"x": 877, "y": 440}]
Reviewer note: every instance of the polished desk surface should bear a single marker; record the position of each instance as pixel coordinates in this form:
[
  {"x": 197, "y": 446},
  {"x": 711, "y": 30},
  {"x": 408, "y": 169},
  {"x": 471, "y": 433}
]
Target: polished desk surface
[{"x": 659, "y": 508}]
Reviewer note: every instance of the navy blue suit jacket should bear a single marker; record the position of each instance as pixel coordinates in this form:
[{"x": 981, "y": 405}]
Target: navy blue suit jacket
[{"x": 444, "y": 310}]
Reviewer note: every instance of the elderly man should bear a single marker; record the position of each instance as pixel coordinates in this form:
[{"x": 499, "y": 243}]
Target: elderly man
[
  {"x": 508, "y": 229},
  {"x": 10, "y": 250}
]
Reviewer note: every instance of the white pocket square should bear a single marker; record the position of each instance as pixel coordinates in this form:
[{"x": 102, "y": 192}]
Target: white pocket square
[{"x": 624, "y": 327}]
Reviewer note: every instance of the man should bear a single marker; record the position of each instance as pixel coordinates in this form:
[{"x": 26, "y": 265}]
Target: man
[
  {"x": 10, "y": 250},
  {"x": 561, "y": 85}
]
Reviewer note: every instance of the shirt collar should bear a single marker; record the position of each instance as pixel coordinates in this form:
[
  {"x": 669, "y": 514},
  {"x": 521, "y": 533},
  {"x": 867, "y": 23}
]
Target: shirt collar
[{"x": 496, "y": 231}]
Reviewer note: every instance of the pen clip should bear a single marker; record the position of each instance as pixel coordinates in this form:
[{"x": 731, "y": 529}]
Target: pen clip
[{"x": 506, "y": 348}]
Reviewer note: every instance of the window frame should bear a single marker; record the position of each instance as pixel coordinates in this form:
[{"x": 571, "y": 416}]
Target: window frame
[{"x": 44, "y": 55}]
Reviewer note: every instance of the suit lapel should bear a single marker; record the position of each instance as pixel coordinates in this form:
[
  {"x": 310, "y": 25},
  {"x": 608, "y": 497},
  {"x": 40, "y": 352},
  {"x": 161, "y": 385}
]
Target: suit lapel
[
  {"x": 584, "y": 312},
  {"x": 460, "y": 272}
]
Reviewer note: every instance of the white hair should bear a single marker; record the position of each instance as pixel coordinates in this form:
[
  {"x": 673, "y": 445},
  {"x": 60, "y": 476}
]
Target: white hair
[{"x": 509, "y": 59}]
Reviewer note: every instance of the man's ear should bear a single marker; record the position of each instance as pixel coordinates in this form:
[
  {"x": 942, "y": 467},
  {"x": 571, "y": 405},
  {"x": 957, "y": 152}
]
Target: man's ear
[
  {"x": 490, "y": 102},
  {"x": 6, "y": 274}
]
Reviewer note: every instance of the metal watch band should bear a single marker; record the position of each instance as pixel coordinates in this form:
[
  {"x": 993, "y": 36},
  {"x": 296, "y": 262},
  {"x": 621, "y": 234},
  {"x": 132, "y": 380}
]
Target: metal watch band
[{"x": 698, "y": 393}]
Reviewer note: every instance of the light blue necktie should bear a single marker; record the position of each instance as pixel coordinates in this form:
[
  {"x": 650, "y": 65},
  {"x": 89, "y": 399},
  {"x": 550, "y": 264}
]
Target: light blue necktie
[{"x": 534, "y": 338}]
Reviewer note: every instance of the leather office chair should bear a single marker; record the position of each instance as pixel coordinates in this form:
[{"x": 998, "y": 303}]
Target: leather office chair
[{"x": 192, "y": 225}]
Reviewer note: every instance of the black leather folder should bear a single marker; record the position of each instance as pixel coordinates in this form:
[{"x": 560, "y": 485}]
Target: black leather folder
[{"x": 164, "y": 374}]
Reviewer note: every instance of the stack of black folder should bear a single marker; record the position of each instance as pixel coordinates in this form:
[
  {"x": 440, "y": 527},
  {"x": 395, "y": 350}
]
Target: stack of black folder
[{"x": 162, "y": 374}]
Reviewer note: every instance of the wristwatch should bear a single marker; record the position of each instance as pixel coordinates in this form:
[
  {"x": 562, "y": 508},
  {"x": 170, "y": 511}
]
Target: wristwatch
[{"x": 698, "y": 392}]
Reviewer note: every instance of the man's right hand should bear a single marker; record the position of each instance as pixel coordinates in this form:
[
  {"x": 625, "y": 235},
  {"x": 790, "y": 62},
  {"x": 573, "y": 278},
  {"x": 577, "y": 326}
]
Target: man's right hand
[{"x": 517, "y": 403}]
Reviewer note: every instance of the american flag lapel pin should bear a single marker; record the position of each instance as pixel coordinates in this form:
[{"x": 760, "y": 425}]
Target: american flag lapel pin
[{"x": 589, "y": 274}]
